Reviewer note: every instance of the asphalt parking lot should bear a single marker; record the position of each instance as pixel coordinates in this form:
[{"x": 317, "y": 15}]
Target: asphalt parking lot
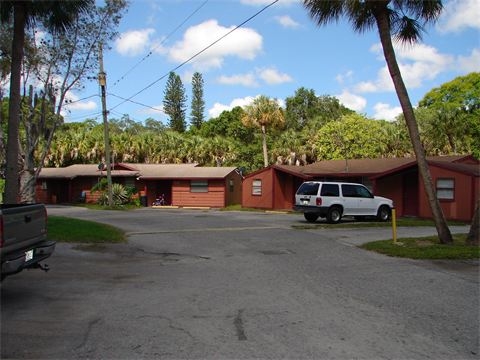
[{"x": 207, "y": 284}]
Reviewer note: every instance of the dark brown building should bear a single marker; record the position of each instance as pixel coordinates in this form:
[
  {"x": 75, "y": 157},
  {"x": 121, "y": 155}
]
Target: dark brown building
[
  {"x": 456, "y": 178},
  {"x": 180, "y": 184}
]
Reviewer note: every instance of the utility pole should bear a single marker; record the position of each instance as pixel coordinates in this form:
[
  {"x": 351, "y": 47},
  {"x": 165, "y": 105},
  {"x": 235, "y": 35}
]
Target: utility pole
[{"x": 102, "y": 80}]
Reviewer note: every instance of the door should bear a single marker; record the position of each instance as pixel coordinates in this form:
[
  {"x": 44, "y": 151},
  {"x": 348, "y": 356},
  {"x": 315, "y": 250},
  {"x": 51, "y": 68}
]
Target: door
[
  {"x": 410, "y": 194},
  {"x": 350, "y": 199},
  {"x": 366, "y": 202}
]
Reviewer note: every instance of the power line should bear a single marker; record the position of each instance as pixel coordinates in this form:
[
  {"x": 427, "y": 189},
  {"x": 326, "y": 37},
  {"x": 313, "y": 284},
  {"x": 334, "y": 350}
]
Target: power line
[
  {"x": 136, "y": 102},
  {"x": 87, "y": 116},
  {"x": 155, "y": 47},
  {"x": 197, "y": 54},
  {"x": 85, "y": 98}
]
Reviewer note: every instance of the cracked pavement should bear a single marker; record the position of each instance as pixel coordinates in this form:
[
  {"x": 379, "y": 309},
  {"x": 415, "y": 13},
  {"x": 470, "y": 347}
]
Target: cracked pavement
[{"x": 206, "y": 284}]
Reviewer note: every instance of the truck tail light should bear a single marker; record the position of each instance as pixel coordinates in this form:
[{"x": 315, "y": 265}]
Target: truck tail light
[{"x": 318, "y": 201}]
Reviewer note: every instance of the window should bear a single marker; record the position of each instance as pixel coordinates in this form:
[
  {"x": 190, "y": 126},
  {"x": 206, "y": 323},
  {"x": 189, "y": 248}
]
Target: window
[
  {"x": 231, "y": 185},
  {"x": 363, "y": 192},
  {"x": 308, "y": 188},
  {"x": 257, "y": 187},
  {"x": 349, "y": 191},
  {"x": 199, "y": 186},
  {"x": 329, "y": 190},
  {"x": 445, "y": 189}
]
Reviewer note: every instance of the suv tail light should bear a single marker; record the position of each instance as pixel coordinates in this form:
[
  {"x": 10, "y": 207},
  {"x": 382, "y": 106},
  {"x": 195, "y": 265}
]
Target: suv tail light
[{"x": 318, "y": 201}]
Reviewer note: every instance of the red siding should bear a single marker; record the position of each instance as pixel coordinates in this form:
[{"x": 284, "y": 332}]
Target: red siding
[
  {"x": 263, "y": 201},
  {"x": 466, "y": 191},
  {"x": 215, "y": 197}
]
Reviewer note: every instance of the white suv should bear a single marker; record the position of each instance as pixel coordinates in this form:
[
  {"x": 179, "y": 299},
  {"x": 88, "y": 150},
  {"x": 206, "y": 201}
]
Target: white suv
[{"x": 336, "y": 199}]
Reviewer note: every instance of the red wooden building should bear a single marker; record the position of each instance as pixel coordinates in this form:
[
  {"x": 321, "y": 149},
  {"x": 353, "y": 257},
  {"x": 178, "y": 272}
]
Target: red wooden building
[
  {"x": 456, "y": 178},
  {"x": 181, "y": 184}
]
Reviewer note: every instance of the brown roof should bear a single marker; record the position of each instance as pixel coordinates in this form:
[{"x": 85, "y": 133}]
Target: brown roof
[
  {"x": 469, "y": 169},
  {"x": 360, "y": 167},
  {"x": 182, "y": 171},
  {"x": 366, "y": 167},
  {"x": 143, "y": 171},
  {"x": 77, "y": 170}
]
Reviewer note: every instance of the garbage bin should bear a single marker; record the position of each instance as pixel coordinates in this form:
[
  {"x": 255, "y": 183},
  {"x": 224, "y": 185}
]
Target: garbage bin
[{"x": 143, "y": 200}]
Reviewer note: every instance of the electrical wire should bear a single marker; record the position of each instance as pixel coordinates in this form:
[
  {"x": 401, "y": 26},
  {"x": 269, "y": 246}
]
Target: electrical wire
[
  {"x": 85, "y": 98},
  {"x": 195, "y": 55},
  {"x": 163, "y": 41},
  {"x": 136, "y": 102}
]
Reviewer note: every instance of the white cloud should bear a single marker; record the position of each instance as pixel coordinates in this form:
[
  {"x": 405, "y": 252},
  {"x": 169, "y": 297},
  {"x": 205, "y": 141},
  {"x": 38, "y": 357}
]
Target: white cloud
[
  {"x": 82, "y": 105},
  {"x": 272, "y": 77},
  {"x": 341, "y": 78},
  {"x": 469, "y": 63},
  {"x": 417, "y": 63},
  {"x": 72, "y": 103},
  {"x": 218, "y": 108},
  {"x": 287, "y": 22},
  {"x": 386, "y": 112},
  {"x": 352, "y": 101},
  {"x": 133, "y": 43},
  {"x": 239, "y": 79},
  {"x": 244, "y": 43},
  {"x": 366, "y": 87},
  {"x": 459, "y": 15}
]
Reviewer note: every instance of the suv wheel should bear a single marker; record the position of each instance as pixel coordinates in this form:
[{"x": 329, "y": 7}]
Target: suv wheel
[
  {"x": 383, "y": 213},
  {"x": 310, "y": 217},
  {"x": 334, "y": 214}
]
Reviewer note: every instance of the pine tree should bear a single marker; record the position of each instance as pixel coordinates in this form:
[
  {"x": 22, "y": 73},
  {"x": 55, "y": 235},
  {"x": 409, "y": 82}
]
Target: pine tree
[
  {"x": 174, "y": 102},
  {"x": 198, "y": 104}
]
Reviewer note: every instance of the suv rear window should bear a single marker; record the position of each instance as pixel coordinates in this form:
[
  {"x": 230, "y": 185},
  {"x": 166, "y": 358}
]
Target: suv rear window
[
  {"x": 308, "y": 189},
  {"x": 330, "y": 190}
]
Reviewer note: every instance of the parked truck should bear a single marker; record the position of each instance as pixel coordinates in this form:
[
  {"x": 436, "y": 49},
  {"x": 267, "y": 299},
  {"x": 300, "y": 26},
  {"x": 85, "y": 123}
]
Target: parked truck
[{"x": 23, "y": 238}]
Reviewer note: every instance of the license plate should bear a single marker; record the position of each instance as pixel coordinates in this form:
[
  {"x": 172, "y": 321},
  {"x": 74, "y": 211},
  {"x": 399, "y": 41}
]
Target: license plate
[
  {"x": 305, "y": 202},
  {"x": 28, "y": 255}
]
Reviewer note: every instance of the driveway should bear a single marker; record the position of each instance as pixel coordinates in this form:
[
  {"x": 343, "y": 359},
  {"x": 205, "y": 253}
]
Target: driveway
[{"x": 201, "y": 284}]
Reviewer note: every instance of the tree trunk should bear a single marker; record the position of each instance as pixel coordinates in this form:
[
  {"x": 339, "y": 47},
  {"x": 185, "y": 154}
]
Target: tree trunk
[
  {"x": 264, "y": 144},
  {"x": 12, "y": 169},
  {"x": 444, "y": 234},
  {"x": 32, "y": 133},
  {"x": 27, "y": 186},
  {"x": 473, "y": 237}
]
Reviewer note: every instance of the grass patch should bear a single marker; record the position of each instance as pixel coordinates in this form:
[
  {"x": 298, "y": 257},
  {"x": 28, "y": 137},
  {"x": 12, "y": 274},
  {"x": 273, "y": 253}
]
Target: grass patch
[
  {"x": 425, "y": 248},
  {"x": 69, "y": 230}
]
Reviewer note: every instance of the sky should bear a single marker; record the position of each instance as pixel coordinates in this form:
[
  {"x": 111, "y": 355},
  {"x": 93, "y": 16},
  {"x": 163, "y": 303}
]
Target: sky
[{"x": 246, "y": 48}]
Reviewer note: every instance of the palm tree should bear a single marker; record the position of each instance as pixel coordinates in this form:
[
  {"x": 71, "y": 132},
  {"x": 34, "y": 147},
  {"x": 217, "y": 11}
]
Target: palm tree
[
  {"x": 263, "y": 113},
  {"x": 404, "y": 19},
  {"x": 56, "y": 15}
]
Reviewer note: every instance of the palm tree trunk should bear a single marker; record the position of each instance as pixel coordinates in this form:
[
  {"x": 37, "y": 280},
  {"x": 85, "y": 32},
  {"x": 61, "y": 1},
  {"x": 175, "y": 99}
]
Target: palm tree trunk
[
  {"x": 381, "y": 17},
  {"x": 12, "y": 168},
  {"x": 264, "y": 144}
]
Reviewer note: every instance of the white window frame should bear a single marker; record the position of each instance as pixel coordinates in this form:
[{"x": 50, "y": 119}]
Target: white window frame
[
  {"x": 445, "y": 188},
  {"x": 257, "y": 187}
]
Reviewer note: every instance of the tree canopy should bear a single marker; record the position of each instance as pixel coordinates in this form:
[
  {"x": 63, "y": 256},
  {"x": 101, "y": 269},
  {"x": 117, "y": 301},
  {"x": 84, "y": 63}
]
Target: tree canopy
[
  {"x": 174, "y": 102},
  {"x": 454, "y": 115}
]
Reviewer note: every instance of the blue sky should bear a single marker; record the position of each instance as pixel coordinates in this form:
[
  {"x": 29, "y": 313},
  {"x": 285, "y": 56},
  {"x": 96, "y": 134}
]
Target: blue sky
[{"x": 273, "y": 54}]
